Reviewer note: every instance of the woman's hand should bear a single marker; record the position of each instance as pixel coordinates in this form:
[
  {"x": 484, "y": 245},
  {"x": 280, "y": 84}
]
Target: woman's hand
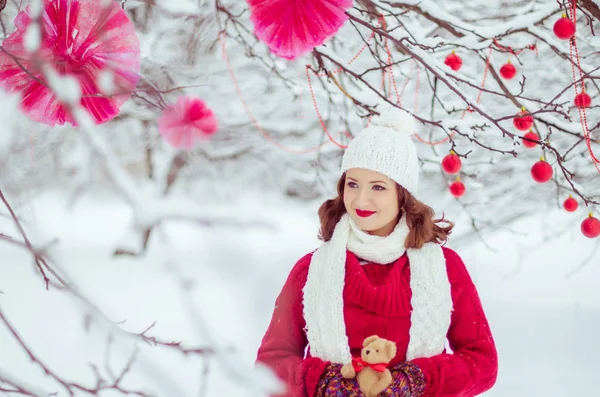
[
  {"x": 407, "y": 381},
  {"x": 348, "y": 371},
  {"x": 332, "y": 383}
]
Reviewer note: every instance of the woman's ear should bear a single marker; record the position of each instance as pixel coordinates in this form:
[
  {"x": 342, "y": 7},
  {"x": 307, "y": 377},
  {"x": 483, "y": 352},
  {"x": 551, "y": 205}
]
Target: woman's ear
[{"x": 370, "y": 340}]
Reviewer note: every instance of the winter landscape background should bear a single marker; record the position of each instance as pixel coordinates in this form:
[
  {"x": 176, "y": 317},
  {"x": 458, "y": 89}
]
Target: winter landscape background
[{"x": 230, "y": 218}]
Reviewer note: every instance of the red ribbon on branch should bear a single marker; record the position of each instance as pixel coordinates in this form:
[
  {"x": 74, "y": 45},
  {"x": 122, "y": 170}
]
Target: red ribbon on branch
[
  {"x": 582, "y": 112},
  {"x": 532, "y": 47}
]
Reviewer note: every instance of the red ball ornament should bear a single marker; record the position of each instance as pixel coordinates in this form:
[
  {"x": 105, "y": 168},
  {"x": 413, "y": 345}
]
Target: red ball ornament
[
  {"x": 570, "y": 204},
  {"x": 564, "y": 28},
  {"x": 523, "y": 121},
  {"x": 590, "y": 227},
  {"x": 457, "y": 188},
  {"x": 451, "y": 163},
  {"x": 530, "y": 135},
  {"x": 583, "y": 100},
  {"x": 508, "y": 71},
  {"x": 541, "y": 172},
  {"x": 453, "y": 61}
]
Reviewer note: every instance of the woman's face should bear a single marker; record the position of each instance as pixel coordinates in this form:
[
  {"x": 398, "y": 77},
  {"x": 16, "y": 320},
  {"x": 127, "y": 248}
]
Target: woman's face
[{"x": 371, "y": 199}]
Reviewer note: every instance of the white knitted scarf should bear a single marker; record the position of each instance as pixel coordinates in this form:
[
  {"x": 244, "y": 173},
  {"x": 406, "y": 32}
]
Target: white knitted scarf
[{"x": 323, "y": 292}]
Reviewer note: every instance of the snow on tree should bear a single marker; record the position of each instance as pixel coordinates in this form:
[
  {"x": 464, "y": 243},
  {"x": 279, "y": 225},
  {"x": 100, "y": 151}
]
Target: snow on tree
[{"x": 472, "y": 74}]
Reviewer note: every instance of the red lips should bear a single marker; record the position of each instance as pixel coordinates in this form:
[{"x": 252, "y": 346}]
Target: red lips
[{"x": 364, "y": 214}]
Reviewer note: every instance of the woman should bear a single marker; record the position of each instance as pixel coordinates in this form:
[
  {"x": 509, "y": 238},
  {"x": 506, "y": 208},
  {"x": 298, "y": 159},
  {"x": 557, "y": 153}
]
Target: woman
[{"x": 381, "y": 271}]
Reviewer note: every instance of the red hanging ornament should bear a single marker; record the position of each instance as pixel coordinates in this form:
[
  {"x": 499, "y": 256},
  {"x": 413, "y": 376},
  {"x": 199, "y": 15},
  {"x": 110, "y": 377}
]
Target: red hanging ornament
[
  {"x": 526, "y": 139},
  {"x": 80, "y": 39},
  {"x": 523, "y": 120},
  {"x": 541, "y": 172},
  {"x": 570, "y": 204},
  {"x": 583, "y": 100},
  {"x": 451, "y": 163},
  {"x": 294, "y": 28},
  {"x": 454, "y": 61},
  {"x": 187, "y": 122},
  {"x": 508, "y": 70},
  {"x": 590, "y": 227},
  {"x": 564, "y": 28},
  {"x": 457, "y": 188}
]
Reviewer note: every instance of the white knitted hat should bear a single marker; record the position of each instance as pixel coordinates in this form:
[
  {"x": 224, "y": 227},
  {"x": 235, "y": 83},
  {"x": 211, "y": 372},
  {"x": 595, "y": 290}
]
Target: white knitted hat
[{"x": 387, "y": 148}]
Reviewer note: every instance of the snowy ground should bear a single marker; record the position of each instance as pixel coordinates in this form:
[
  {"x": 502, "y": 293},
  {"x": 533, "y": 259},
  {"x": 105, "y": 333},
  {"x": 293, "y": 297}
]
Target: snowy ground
[{"x": 544, "y": 319}]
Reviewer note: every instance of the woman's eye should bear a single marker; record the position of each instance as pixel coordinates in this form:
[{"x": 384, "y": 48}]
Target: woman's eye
[
  {"x": 352, "y": 184},
  {"x": 378, "y": 187}
]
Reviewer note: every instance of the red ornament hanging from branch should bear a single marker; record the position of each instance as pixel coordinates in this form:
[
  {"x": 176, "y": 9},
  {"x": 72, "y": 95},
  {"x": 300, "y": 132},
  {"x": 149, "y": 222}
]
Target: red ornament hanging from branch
[
  {"x": 187, "y": 122},
  {"x": 81, "y": 39},
  {"x": 457, "y": 188},
  {"x": 541, "y": 172},
  {"x": 564, "y": 28},
  {"x": 451, "y": 164},
  {"x": 454, "y": 61},
  {"x": 292, "y": 28},
  {"x": 590, "y": 227},
  {"x": 523, "y": 120},
  {"x": 508, "y": 70},
  {"x": 529, "y": 138},
  {"x": 583, "y": 100},
  {"x": 570, "y": 204}
]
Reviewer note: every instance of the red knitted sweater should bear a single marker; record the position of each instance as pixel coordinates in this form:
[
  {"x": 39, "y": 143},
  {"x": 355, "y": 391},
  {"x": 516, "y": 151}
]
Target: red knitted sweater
[{"x": 377, "y": 301}]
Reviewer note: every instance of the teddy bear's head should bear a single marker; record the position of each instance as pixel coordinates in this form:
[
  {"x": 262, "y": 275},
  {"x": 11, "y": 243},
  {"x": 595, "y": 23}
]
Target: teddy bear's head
[{"x": 378, "y": 350}]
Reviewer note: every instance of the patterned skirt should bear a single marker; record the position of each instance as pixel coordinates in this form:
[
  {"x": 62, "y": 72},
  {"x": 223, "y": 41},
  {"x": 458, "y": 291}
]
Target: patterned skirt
[{"x": 408, "y": 381}]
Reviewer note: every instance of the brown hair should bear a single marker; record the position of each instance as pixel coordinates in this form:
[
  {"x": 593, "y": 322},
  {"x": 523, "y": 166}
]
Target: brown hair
[{"x": 419, "y": 218}]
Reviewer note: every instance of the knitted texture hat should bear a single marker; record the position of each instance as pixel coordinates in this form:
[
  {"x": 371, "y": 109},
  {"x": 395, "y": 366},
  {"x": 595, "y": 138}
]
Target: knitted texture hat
[{"x": 387, "y": 148}]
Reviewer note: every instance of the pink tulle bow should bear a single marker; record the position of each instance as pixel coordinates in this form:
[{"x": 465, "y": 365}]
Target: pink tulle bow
[
  {"x": 188, "y": 121},
  {"x": 81, "y": 38},
  {"x": 293, "y": 27}
]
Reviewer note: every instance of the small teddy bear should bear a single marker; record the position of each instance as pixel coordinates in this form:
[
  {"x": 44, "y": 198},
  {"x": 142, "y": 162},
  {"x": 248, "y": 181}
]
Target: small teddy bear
[{"x": 371, "y": 369}]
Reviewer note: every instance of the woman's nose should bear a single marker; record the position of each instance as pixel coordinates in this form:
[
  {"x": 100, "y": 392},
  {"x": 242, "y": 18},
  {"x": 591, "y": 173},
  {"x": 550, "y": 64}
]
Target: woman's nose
[{"x": 363, "y": 197}]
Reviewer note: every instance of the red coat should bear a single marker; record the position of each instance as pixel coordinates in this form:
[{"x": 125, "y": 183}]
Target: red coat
[{"x": 377, "y": 301}]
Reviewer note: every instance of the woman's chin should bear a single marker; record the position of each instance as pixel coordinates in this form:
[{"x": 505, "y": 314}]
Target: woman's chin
[{"x": 366, "y": 225}]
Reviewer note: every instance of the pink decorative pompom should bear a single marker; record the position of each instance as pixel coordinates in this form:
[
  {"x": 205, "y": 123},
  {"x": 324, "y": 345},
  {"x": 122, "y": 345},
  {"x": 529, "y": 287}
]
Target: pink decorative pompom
[
  {"x": 187, "y": 122},
  {"x": 80, "y": 38},
  {"x": 293, "y": 27}
]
